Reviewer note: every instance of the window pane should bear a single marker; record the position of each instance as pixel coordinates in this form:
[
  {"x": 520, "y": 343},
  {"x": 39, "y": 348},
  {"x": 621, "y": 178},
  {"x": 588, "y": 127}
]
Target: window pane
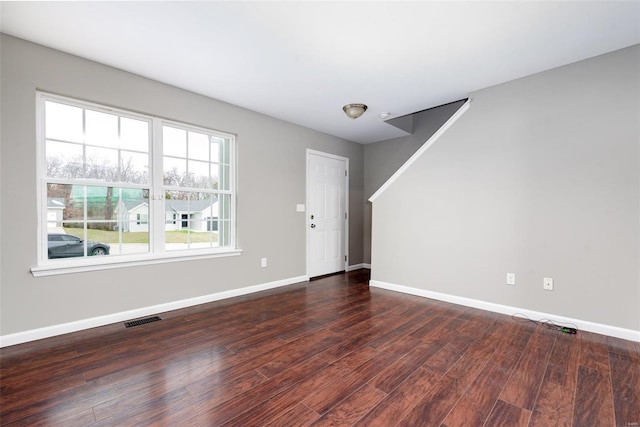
[
  {"x": 198, "y": 146},
  {"x": 134, "y": 167},
  {"x": 128, "y": 242},
  {"x": 134, "y": 134},
  {"x": 100, "y": 205},
  {"x": 225, "y": 154},
  {"x": 224, "y": 178},
  {"x": 61, "y": 245},
  {"x": 215, "y": 176},
  {"x": 175, "y": 171},
  {"x": 199, "y": 174},
  {"x": 103, "y": 213},
  {"x": 174, "y": 142},
  {"x": 224, "y": 210},
  {"x": 102, "y": 164},
  {"x": 224, "y": 233},
  {"x": 201, "y": 237},
  {"x": 101, "y": 129},
  {"x": 74, "y": 201},
  {"x": 72, "y": 160},
  {"x": 64, "y": 160},
  {"x": 192, "y": 227},
  {"x": 132, "y": 215},
  {"x": 58, "y": 205},
  {"x": 215, "y": 149},
  {"x": 63, "y": 122}
]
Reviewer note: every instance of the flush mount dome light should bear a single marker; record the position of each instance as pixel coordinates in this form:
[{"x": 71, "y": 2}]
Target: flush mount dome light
[{"x": 354, "y": 110}]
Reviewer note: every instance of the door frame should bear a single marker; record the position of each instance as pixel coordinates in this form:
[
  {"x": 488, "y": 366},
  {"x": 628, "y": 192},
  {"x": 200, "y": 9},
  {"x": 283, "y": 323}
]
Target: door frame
[{"x": 307, "y": 221}]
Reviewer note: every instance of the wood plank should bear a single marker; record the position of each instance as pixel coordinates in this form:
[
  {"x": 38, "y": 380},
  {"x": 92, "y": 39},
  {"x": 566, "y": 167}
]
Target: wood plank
[
  {"x": 397, "y": 404},
  {"x": 54, "y": 416},
  {"x": 624, "y": 348},
  {"x": 154, "y": 407},
  {"x": 554, "y": 407},
  {"x": 266, "y": 331},
  {"x": 594, "y": 351},
  {"x": 269, "y": 409},
  {"x": 39, "y": 400},
  {"x": 563, "y": 363},
  {"x": 298, "y": 416},
  {"x": 593, "y": 402},
  {"x": 400, "y": 345},
  {"x": 448, "y": 355},
  {"x": 508, "y": 415},
  {"x": 324, "y": 398},
  {"x": 427, "y": 329},
  {"x": 211, "y": 412},
  {"x": 443, "y": 396},
  {"x": 476, "y": 404},
  {"x": 297, "y": 351},
  {"x": 394, "y": 374},
  {"x": 282, "y": 392},
  {"x": 351, "y": 409},
  {"x": 522, "y": 388},
  {"x": 353, "y": 340},
  {"x": 625, "y": 382},
  {"x": 414, "y": 318},
  {"x": 219, "y": 391}
]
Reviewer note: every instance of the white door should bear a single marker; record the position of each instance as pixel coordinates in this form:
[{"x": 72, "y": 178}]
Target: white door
[{"x": 326, "y": 213}]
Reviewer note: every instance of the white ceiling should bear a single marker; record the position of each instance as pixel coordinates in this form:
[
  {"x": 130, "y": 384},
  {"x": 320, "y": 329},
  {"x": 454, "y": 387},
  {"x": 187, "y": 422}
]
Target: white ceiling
[{"x": 302, "y": 61}]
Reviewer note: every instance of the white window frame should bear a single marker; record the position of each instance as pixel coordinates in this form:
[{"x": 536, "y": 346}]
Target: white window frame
[{"x": 156, "y": 217}]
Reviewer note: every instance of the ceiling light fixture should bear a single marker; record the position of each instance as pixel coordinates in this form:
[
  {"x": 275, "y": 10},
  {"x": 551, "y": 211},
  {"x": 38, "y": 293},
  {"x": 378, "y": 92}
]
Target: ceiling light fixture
[{"x": 354, "y": 110}]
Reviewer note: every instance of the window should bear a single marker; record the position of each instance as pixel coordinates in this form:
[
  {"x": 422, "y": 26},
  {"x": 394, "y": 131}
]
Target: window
[
  {"x": 171, "y": 218},
  {"x": 142, "y": 219},
  {"x": 140, "y": 186}
]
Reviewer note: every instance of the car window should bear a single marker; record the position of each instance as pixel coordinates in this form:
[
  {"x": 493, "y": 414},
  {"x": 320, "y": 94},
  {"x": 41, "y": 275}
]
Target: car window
[{"x": 69, "y": 238}]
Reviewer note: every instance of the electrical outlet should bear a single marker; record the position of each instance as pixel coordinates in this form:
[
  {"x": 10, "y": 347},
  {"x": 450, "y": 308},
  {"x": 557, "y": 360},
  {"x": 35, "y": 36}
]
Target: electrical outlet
[
  {"x": 263, "y": 262},
  {"x": 547, "y": 284},
  {"x": 511, "y": 278}
]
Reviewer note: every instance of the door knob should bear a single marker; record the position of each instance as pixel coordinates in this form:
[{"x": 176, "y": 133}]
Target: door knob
[{"x": 313, "y": 226}]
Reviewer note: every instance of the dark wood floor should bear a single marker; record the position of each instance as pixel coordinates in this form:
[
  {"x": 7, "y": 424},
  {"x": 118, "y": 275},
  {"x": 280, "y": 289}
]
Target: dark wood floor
[{"x": 327, "y": 352}]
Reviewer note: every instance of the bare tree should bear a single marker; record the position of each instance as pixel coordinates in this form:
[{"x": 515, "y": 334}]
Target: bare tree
[{"x": 128, "y": 172}]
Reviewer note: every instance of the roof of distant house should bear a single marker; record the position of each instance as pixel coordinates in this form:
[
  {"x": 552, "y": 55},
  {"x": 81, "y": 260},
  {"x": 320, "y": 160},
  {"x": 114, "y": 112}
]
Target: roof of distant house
[
  {"x": 55, "y": 202},
  {"x": 176, "y": 205}
]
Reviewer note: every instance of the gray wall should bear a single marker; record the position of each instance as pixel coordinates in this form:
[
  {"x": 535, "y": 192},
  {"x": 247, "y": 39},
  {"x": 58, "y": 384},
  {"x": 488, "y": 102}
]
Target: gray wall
[
  {"x": 540, "y": 177},
  {"x": 382, "y": 159},
  {"x": 271, "y": 181}
]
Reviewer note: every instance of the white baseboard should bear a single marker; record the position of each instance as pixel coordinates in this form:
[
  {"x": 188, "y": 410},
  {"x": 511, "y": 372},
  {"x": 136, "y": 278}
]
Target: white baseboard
[
  {"x": 65, "y": 328},
  {"x": 358, "y": 267},
  {"x": 614, "y": 331}
]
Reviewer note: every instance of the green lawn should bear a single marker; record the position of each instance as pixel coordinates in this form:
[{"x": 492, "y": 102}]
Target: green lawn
[
  {"x": 180, "y": 236},
  {"x": 104, "y": 236}
]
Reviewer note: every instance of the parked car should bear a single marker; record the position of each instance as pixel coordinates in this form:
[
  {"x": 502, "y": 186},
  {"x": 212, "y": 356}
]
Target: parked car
[{"x": 66, "y": 245}]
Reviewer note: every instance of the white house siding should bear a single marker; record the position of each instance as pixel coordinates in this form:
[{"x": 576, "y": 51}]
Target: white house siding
[
  {"x": 134, "y": 224},
  {"x": 197, "y": 219},
  {"x": 54, "y": 217}
]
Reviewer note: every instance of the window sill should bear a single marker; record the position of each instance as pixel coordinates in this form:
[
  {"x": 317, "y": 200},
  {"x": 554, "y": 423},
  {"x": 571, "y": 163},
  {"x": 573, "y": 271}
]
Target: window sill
[{"x": 75, "y": 266}]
